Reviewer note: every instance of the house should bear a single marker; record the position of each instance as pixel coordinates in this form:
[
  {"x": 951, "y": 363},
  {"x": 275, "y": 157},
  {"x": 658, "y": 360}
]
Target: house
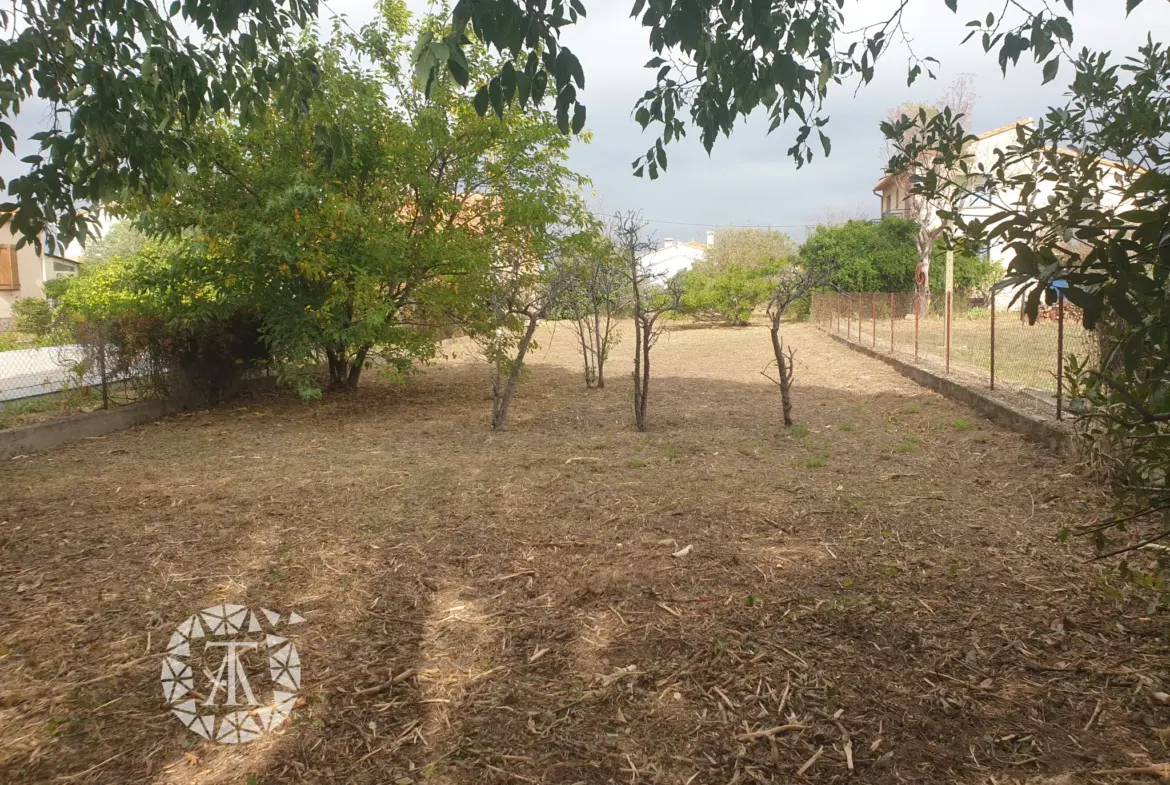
[
  {"x": 893, "y": 190},
  {"x": 23, "y": 273},
  {"x": 677, "y": 255}
]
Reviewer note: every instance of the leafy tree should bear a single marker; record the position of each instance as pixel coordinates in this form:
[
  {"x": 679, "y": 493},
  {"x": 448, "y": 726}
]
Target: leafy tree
[
  {"x": 127, "y": 93},
  {"x": 122, "y": 239},
  {"x": 1084, "y": 198},
  {"x": 748, "y": 248},
  {"x": 157, "y": 319},
  {"x": 882, "y": 257},
  {"x": 594, "y": 290},
  {"x": 730, "y": 294},
  {"x": 732, "y": 281},
  {"x": 960, "y": 100},
  {"x": 376, "y": 214}
]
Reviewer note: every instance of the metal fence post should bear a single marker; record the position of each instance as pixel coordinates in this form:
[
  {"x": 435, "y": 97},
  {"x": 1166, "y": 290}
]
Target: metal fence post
[
  {"x": 1060, "y": 355},
  {"x": 849, "y": 319},
  {"x": 859, "y": 318},
  {"x": 891, "y": 322},
  {"x": 948, "y": 332},
  {"x": 993, "y": 340}
]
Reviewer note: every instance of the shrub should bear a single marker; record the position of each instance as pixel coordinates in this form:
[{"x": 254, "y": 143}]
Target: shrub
[
  {"x": 33, "y": 316},
  {"x": 155, "y": 319}
]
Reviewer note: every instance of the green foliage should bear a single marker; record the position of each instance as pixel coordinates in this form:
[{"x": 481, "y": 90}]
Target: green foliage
[
  {"x": 718, "y": 62},
  {"x": 33, "y": 316},
  {"x": 1100, "y": 228},
  {"x": 736, "y": 277},
  {"x": 751, "y": 249},
  {"x": 881, "y": 257},
  {"x": 360, "y": 227},
  {"x": 164, "y": 317},
  {"x": 135, "y": 90},
  {"x": 122, "y": 239},
  {"x": 731, "y": 294}
]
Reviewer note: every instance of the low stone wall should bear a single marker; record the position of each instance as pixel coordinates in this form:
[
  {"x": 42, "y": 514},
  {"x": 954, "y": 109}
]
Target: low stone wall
[{"x": 1051, "y": 433}]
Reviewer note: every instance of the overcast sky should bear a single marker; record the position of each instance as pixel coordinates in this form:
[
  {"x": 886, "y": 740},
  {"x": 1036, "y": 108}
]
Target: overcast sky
[{"x": 748, "y": 179}]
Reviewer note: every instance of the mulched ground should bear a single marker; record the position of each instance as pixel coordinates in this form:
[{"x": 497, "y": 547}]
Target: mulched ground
[{"x": 879, "y": 596}]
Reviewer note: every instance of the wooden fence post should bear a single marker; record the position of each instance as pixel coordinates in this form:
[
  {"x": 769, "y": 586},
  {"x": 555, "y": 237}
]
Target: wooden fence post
[
  {"x": 948, "y": 332},
  {"x": 873, "y": 316},
  {"x": 891, "y": 322}
]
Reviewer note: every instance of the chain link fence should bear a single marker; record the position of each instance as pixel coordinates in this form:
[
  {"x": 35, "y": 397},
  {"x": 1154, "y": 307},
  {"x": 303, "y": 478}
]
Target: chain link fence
[
  {"x": 994, "y": 345},
  {"x": 51, "y": 375}
]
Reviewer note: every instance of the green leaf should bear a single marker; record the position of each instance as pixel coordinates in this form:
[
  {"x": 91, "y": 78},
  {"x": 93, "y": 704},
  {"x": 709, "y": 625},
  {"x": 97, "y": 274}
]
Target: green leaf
[
  {"x": 578, "y": 118},
  {"x": 1130, "y": 5},
  {"x": 1050, "y": 69},
  {"x": 481, "y": 101},
  {"x": 496, "y": 96},
  {"x": 953, "y": 5},
  {"x": 826, "y": 145}
]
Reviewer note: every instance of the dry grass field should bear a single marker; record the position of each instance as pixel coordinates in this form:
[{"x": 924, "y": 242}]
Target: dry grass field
[{"x": 877, "y": 596}]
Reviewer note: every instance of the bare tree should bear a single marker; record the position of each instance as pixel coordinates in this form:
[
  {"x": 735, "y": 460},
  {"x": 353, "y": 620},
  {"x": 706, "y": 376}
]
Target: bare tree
[
  {"x": 593, "y": 294},
  {"x": 959, "y": 100},
  {"x": 652, "y": 297},
  {"x": 791, "y": 284}
]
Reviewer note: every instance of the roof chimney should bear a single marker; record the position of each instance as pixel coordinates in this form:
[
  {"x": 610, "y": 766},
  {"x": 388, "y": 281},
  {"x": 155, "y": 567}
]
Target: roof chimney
[{"x": 710, "y": 238}]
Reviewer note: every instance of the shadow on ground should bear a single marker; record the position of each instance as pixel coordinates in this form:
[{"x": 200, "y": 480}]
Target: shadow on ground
[{"x": 573, "y": 601}]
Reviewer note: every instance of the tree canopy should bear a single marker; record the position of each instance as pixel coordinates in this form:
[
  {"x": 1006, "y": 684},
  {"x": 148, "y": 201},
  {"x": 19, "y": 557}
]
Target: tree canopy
[
  {"x": 127, "y": 93},
  {"x": 882, "y": 256},
  {"x": 717, "y": 61},
  {"x": 350, "y": 230}
]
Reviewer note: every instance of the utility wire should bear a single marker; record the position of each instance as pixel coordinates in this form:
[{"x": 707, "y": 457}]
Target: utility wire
[{"x": 720, "y": 226}]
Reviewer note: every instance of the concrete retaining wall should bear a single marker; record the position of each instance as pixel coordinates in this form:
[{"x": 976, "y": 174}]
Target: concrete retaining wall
[
  {"x": 53, "y": 433},
  {"x": 1047, "y": 432}
]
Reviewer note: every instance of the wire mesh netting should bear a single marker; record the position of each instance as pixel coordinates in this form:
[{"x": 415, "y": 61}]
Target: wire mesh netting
[
  {"x": 964, "y": 335},
  {"x": 43, "y": 378}
]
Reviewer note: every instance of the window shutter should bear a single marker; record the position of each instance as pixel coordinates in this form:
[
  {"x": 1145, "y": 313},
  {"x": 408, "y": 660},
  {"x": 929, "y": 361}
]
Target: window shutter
[{"x": 9, "y": 269}]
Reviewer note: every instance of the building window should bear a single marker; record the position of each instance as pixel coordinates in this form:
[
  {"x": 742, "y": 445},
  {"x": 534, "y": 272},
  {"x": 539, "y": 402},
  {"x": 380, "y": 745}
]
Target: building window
[{"x": 64, "y": 269}]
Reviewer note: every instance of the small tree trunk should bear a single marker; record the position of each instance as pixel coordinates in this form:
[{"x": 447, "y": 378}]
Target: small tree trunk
[
  {"x": 338, "y": 367},
  {"x": 599, "y": 346},
  {"x": 924, "y": 242},
  {"x": 586, "y": 341},
  {"x": 503, "y": 399},
  {"x": 355, "y": 367},
  {"x": 644, "y": 382},
  {"x": 785, "y": 376}
]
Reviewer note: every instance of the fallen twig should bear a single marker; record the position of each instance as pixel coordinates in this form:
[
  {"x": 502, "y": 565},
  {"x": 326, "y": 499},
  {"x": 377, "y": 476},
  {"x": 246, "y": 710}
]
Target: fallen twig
[
  {"x": 769, "y": 732},
  {"x": 406, "y": 674}
]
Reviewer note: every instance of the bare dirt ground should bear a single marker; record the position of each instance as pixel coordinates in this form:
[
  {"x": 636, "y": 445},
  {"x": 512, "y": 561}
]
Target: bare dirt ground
[{"x": 878, "y": 597}]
